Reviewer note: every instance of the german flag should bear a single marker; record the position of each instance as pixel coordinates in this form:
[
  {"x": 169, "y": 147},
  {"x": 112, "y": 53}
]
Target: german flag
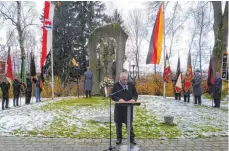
[{"x": 155, "y": 47}]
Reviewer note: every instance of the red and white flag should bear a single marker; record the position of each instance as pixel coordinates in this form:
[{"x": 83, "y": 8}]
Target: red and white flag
[
  {"x": 47, "y": 31},
  {"x": 167, "y": 70},
  {"x": 178, "y": 86},
  {"x": 107, "y": 92}
]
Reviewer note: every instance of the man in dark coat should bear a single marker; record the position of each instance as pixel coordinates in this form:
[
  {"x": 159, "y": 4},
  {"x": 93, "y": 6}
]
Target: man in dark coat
[
  {"x": 16, "y": 91},
  {"x": 120, "y": 112},
  {"x": 217, "y": 88},
  {"x": 28, "y": 90},
  {"x": 197, "y": 87},
  {"x": 88, "y": 82},
  {"x": 5, "y": 86}
]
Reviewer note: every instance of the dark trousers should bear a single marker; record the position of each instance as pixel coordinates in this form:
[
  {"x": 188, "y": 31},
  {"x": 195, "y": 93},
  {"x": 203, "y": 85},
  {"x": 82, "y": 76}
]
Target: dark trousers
[
  {"x": 217, "y": 102},
  {"x": 119, "y": 131},
  {"x": 198, "y": 98},
  {"x": 27, "y": 97},
  {"x": 16, "y": 98},
  {"x": 88, "y": 92},
  {"x": 5, "y": 99},
  {"x": 177, "y": 96},
  {"x": 186, "y": 98}
]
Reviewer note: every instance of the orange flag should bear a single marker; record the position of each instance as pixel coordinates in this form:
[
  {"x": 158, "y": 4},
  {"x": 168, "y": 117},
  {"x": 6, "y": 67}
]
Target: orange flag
[{"x": 155, "y": 47}]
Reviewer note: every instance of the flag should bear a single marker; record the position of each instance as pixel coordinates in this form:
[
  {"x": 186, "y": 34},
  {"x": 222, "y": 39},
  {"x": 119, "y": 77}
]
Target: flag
[
  {"x": 107, "y": 92},
  {"x": 9, "y": 72},
  {"x": 23, "y": 71},
  {"x": 167, "y": 70},
  {"x": 47, "y": 31},
  {"x": 74, "y": 62},
  {"x": 155, "y": 47},
  {"x": 178, "y": 85},
  {"x": 189, "y": 74},
  {"x": 32, "y": 66},
  {"x": 210, "y": 80}
]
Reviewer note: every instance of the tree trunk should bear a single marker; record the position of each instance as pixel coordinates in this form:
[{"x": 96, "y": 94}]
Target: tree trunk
[
  {"x": 19, "y": 29},
  {"x": 221, "y": 35},
  {"x": 201, "y": 31}
]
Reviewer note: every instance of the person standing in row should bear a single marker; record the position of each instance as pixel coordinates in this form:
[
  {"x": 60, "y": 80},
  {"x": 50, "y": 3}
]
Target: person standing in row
[
  {"x": 88, "y": 82},
  {"x": 28, "y": 89},
  {"x": 217, "y": 88},
  {"x": 16, "y": 91},
  {"x": 5, "y": 86},
  {"x": 197, "y": 88}
]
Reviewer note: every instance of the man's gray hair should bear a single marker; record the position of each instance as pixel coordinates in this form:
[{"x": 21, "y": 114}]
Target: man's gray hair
[{"x": 122, "y": 74}]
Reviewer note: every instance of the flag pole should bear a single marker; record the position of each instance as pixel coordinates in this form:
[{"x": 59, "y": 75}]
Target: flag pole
[
  {"x": 164, "y": 46},
  {"x": 52, "y": 61}
]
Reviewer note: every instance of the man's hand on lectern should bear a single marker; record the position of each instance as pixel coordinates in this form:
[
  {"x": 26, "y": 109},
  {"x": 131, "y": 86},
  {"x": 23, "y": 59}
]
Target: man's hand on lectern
[
  {"x": 121, "y": 101},
  {"x": 132, "y": 101}
]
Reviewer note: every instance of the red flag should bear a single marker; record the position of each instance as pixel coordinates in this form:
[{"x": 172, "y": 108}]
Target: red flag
[
  {"x": 210, "y": 80},
  {"x": 189, "y": 74},
  {"x": 178, "y": 85},
  {"x": 155, "y": 47},
  {"x": 9, "y": 73},
  {"x": 47, "y": 31},
  {"x": 167, "y": 70}
]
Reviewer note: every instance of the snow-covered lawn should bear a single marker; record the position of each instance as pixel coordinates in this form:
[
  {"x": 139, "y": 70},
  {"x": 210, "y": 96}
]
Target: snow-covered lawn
[{"x": 65, "y": 117}]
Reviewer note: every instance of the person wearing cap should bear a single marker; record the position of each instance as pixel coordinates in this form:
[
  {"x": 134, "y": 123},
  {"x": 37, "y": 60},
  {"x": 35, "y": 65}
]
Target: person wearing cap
[
  {"x": 197, "y": 87},
  {"x": 88, "y": 82},
  {"x": 217, "y": 88},
  {"x": 5, "y": 86}
]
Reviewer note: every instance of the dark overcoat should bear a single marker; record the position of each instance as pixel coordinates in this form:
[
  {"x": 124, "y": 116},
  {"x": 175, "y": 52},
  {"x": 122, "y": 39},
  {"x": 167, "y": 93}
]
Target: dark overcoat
[
  {"x": 28, "y": 85},
  {"x": 120, "y": 111},
  {"x": 197, "y": 88},
  {"x": 5, "y": 89},
  {"x": 16, "y": 88},
  {"x": 217, "y": 88},
  {"x": 88, "y": 80}
]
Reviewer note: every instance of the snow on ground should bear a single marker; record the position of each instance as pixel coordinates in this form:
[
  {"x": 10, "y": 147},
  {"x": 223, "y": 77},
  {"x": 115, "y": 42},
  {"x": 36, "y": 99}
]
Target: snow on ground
[{"x": 189, "y": 118}]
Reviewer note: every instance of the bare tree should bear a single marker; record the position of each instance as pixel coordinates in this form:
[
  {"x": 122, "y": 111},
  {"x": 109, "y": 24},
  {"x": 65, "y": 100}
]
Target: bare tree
[
  {"x": 221, "y": 34},
  {"x": 137, "y": 32},
  {"x": 21, "y": 15},
  {"x": 201, "y": 14}
]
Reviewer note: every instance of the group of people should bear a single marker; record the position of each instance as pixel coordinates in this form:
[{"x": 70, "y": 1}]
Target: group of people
[
  {"x": 18, "y": 88},
  {"x": 197, "y": 89}
]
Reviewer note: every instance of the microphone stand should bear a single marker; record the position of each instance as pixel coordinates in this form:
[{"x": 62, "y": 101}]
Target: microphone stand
[{"x": 111, "y": 148}]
